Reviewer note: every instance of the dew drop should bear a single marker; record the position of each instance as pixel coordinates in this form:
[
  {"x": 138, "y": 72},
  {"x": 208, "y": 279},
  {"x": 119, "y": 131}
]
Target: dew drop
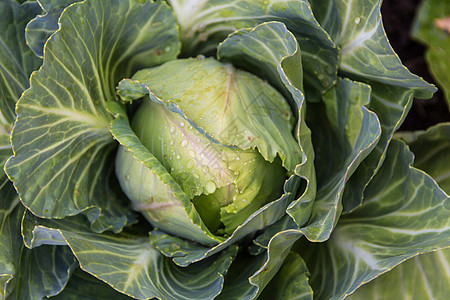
[
  {"x": 184, "y": 143},
  {"x": 178, "y": 156},
  {"x": 181, "y": 124},
  {"x": 189, "y": 164},
  {"x": 172, "y": 129},
  {"x": 196, "y": 176},
  {"x": 238, "y": 158},
  {"x": 192, "y": 153},
  {"x": 171, "y": 142},
  {"x": 210, "y": 187},
  {"x": 205, "y": 169},
  {"x": 357, "y": 20}
]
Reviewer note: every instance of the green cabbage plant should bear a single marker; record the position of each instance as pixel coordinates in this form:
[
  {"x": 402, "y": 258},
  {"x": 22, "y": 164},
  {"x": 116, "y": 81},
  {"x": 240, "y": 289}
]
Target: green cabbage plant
[{"x": 215, "y": 150}]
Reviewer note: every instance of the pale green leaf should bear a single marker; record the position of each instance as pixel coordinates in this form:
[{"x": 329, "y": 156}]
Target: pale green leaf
[
  {"x": 61, "y": 138},
  {"x": 205, "y": 23},
  {"x": 404, "y": 214}
]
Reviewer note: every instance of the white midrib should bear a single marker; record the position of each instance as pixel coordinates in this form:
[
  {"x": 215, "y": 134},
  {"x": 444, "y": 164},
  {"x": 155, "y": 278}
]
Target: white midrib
[
  {"x": 140, "y": 265},
  {"x": 358, "y": 41},
  {"x": 74, "y": 115},
  {"x": 186, "y": 10}
]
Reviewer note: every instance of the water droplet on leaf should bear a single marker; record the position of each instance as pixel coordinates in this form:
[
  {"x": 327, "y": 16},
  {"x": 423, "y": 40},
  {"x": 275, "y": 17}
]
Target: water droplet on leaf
[{"x": 210, "y": 187}]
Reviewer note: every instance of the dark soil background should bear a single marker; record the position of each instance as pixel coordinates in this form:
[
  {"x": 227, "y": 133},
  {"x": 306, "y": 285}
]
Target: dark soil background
[{"x": 398, "y": 16}]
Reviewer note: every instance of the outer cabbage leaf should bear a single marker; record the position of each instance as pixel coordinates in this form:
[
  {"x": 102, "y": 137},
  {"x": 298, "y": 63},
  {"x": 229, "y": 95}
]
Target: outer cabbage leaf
[
  {"x": 356, "y": 27},
  {"x": 291, "y": 281},
  {"x": 391, "y": 104},
  {"x": 205, "y": 23},
  {"x": 404, "y": 214},
  {"x": 16, "y": 64},
  {"x": 43, "y": 271},
  {"x": 425, "y": 276},
  {"x": 84, "y": 286},
  {"x": 132, "y": 265},
  {"x": 344, "y": 133},
  {"x": 24, "y": 273},
  {"x": 43, "y": 26},
  {"x": 16, "y": 60},
  {"x": 251, "y": 274},
  {"x": 61, "y": 138},
  {"x": 366, "y": 56}
]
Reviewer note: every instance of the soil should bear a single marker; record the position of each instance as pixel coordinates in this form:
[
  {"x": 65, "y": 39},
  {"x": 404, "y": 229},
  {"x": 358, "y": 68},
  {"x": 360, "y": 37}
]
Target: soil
[{"x": 398, "y": 16}]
